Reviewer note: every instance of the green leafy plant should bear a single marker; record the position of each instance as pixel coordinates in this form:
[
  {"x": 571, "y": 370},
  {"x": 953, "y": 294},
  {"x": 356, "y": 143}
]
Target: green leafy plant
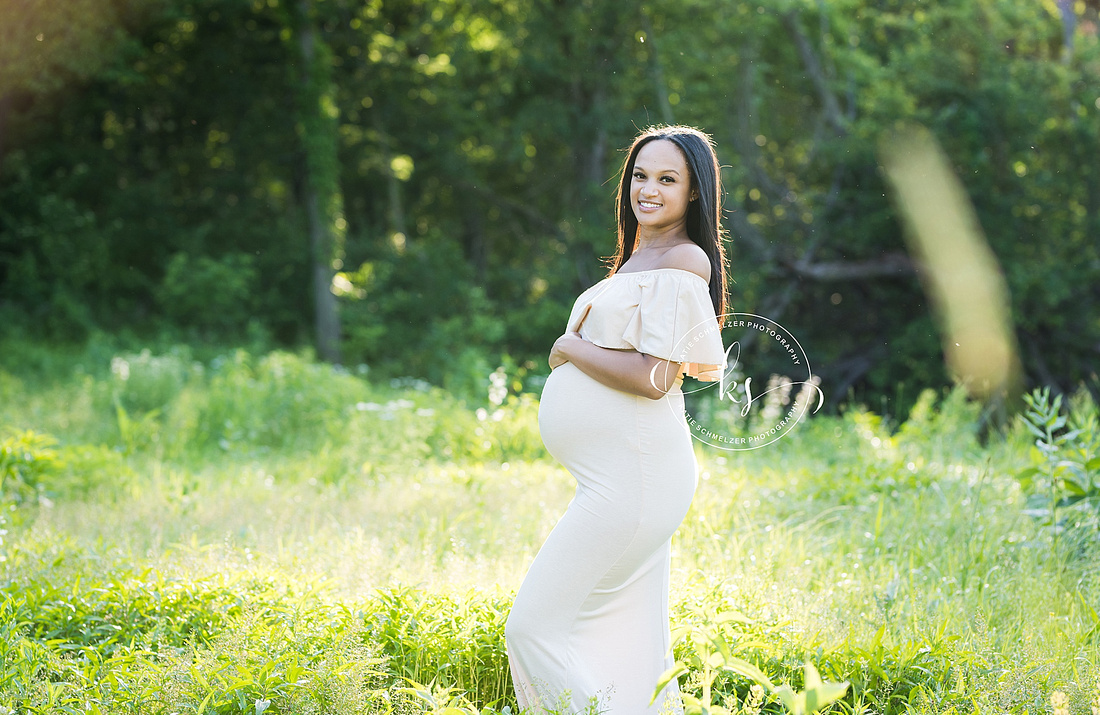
[
  {"x": 435, "y": 637},
  {"x": 711, "y": 655},
  {"x": 28, "y": 462},
  {"x": 447, "y": 700},
  {"x": 150, "y": 580},
  {"x": 144, "y": 382},
  {"x": 1065, "y": 462}
]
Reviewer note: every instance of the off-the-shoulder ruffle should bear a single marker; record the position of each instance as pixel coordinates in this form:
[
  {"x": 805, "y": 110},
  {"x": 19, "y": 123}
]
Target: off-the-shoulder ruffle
[{"x": 665, "y": 312}]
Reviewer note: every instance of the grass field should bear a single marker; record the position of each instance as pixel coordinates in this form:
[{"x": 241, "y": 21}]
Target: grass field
[{"x": 263, "y": 533}]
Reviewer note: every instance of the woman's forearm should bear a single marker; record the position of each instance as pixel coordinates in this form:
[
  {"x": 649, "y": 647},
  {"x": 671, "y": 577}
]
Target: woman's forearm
[{"x": 625, "y": 370}]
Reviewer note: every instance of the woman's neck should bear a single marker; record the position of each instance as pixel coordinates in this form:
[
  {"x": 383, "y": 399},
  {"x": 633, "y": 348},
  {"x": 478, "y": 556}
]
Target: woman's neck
[{"x": 661, "y": 240}]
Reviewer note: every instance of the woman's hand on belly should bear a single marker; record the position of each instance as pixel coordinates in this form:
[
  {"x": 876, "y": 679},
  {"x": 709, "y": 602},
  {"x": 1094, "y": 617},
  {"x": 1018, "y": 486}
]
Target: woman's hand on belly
[
  {"x": 559, "y": 353},
  {"x": 626, "y": 370}
]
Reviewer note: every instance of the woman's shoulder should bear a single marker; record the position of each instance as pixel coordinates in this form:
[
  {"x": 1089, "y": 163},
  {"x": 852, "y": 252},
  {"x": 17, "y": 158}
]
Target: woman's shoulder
[{"x": 687, "y": 257}]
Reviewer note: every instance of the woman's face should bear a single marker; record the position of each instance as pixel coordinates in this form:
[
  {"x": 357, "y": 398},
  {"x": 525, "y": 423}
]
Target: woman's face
[{"x": 660, "y": 185}]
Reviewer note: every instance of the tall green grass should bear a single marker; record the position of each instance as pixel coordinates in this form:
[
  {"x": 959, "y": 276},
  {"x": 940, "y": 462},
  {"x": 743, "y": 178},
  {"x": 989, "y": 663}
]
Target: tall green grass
[{"x": 263, "y": 533}]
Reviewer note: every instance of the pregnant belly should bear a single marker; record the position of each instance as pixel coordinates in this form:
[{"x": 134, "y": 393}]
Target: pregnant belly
[
  {"x": 631, "y": 454},
  {"x": 577, "y": 413}
]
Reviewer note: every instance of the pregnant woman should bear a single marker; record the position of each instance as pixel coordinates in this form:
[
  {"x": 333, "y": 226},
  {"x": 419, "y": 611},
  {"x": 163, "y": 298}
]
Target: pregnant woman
[{"x": 589, "y": 629}]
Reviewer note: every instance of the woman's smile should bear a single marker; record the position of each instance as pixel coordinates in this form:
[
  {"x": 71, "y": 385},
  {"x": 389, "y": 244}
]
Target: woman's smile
[{"x": 659, "y": 187}]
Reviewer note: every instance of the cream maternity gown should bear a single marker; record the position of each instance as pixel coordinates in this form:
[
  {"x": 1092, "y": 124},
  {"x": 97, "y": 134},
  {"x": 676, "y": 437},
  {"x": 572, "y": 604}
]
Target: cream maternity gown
[{"x": 590, "y": 620}]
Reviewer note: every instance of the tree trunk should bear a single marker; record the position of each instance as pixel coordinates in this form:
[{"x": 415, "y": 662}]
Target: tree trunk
[
  {"x": 395, "y": 211},
  {"x": 5, "y": 108},
  {"x": 1069, "y": 24},
  {"x": 319, "y": 188},
  {"x": 473, "y": 239}
]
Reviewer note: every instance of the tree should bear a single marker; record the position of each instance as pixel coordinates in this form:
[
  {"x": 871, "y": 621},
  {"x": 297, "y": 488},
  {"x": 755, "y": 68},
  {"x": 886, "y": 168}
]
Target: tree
[
  {"x": 317, "y": 174},
  {"x": 450, "y": 163}
]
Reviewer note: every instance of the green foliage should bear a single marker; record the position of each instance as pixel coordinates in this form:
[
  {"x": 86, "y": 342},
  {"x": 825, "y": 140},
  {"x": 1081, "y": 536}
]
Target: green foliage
[
  {"x": 453, "y": 639},
  {"x": 941, "y": 428},
  {"x": 139, "y": 642},
  {"x": 116, "y": 610},
  {"x": 902, "y": 674},
  {"x": 150, "y": 173},
  {"x": 34, "y": 467},
  {"x": 90, "y": 469},
  {"x": 45, "y": 46},
  {"x": 60, "y": 269},
  {"x": 157, "y": 570},
  {"x": 707, "y": 643},
  {"x": 287, "y": 658},
  {"x": 875, "y": 456},
  {"x": 144, "y": 382},
  {"x": 28, "y": 464},
  {"x": 212, "y": 295},
  {"x": 456, "y": 327},
  {"x": 1065, "y": 461},
  {"x": 173, "y": 405},
  {"x": 271, "y": 401},
  {"x": 160, "y": 159}
]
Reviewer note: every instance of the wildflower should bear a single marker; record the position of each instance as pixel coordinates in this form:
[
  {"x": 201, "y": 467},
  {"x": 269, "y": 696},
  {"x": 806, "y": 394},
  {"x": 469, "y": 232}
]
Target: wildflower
[
  {"x": 121, "y": 369},
  {"x": 777, "y": 396},
  {"x": 498, "y": 387},
  {"x": 755, "y": 700},
  {"x": 1059, "y": 701}
]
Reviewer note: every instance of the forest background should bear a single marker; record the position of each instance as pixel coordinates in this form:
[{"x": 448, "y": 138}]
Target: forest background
[{"x": 423, "y": 187}]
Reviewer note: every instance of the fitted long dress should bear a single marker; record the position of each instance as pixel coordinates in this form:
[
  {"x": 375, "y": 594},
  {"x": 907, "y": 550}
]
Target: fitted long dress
[{"x": 589, "y": 625}]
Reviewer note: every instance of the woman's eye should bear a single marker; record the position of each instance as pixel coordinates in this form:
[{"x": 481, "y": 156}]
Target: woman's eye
[
  {"x": 668, "y": 179},
  {"x": 639, "y": 175}
]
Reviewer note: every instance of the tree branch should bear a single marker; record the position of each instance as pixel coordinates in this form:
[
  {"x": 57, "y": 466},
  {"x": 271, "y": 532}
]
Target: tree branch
[
  {"x": 750, "y": 233},
  {"x": 517, "y": 207},
  {"x": 850, "y": 369},
  {"x": 890, "y": 264},
  {"x": 829, "y": 102}
]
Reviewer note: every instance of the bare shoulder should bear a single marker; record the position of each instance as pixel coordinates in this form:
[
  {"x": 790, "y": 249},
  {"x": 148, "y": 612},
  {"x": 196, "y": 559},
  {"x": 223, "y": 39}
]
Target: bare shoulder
[{"x": 687, "y": 257}]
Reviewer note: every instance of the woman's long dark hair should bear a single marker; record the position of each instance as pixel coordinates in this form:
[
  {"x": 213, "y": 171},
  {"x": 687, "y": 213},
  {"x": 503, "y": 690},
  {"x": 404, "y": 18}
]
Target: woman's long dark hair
[{"x": 703, "y": 223}]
